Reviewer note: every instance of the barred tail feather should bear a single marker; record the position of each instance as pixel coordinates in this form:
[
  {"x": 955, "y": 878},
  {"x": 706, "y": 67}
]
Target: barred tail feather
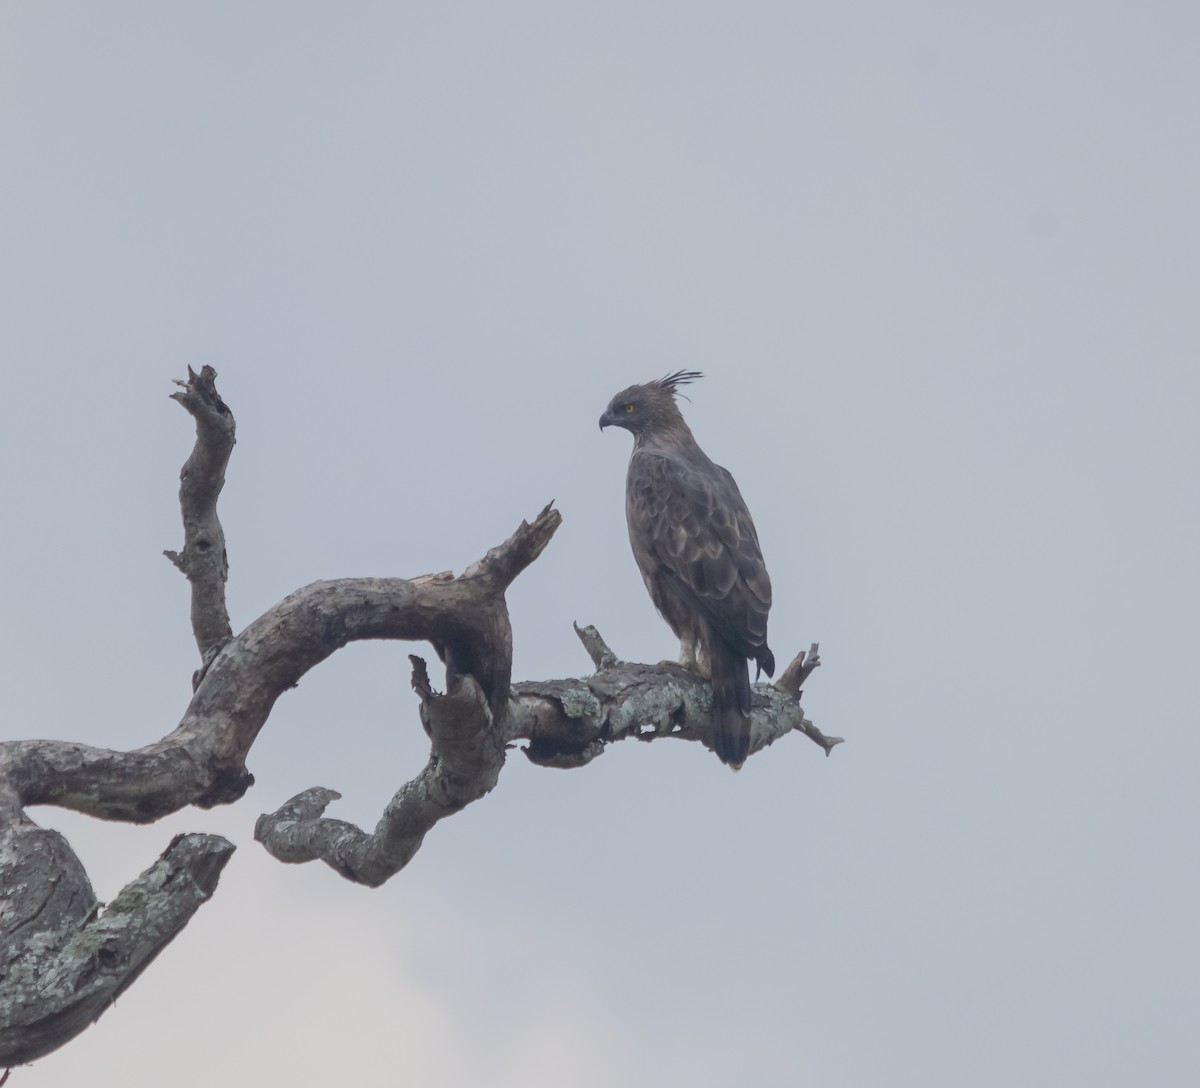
[{"x": 731, "y": 706}]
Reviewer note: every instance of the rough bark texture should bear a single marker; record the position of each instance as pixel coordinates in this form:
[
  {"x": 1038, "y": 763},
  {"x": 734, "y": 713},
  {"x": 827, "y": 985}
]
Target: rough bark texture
[
  {"x": 570, "y": 722},
  {"x": 63, "y": 960},
  {"x": 204, "y": 560}
]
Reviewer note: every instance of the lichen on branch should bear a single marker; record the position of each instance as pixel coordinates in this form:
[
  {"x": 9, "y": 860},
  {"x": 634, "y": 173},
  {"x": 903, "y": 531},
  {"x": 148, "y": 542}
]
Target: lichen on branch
[{"x": 63, "y": 959}]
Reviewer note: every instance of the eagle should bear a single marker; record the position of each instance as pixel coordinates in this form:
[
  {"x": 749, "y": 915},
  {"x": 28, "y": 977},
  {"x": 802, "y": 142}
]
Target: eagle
[{"x": 696, "y": 547}]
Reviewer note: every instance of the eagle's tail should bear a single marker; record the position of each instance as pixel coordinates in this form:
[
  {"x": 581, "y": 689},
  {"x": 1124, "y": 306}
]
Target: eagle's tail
[{"x": 731, "y": 706}]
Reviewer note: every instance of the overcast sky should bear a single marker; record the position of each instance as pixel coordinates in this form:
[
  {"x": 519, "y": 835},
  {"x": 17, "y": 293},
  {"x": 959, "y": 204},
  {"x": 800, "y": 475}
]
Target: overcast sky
[{"x": 939, "y": 263}]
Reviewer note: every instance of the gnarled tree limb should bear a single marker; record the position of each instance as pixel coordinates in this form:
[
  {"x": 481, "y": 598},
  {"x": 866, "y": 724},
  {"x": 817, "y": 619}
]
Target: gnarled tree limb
[
  {"x": 62, "y": 960},
  {"x": 464, "y": 764},
  {"x": 568, "y": 723},
  {"x": 204, "y": 560},
  {"x": 466, "y": 725}
]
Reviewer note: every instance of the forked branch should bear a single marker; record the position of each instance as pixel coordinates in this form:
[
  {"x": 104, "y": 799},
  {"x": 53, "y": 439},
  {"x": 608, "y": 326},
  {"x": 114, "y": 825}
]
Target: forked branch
[{"x": 63, "y": 960}]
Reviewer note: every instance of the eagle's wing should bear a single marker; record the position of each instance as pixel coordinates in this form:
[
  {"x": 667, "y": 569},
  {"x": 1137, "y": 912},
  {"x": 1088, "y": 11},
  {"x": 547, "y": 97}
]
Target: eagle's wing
[{"x": 688, "y": 523}]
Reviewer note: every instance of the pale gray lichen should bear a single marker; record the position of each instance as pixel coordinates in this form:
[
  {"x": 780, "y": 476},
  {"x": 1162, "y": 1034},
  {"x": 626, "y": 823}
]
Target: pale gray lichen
[
  {"x": 648, "y": 707},
  {"x": 578, "y": 702}
]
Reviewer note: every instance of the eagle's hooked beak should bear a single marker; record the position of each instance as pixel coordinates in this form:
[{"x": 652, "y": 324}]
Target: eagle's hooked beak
[{"x": 606, "y": 420}]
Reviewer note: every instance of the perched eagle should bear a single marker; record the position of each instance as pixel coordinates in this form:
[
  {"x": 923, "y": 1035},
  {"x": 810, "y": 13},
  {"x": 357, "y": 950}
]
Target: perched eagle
[{"x": 698, "y": 553}]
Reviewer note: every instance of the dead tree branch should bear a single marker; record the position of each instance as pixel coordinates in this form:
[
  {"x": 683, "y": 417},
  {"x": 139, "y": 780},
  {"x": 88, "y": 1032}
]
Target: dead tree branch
[
  {"x": 567, "y": 723},
  {"x": 570, "y": 722},
  {"x": 466, "y": 725},
  {"x": 63, "y": 960},
  {"x": 204, "y": 560}
]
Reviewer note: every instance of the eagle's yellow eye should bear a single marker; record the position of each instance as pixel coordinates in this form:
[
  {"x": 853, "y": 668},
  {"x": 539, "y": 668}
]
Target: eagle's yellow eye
[{"x": 629, "y": 407}]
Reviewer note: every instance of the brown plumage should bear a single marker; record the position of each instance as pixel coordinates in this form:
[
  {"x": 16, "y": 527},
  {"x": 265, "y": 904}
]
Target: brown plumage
[{"x": 696, "y": 547}]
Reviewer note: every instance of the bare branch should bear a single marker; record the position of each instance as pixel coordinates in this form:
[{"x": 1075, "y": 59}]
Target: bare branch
[
  {"x": 602, "y": 657},
  {"x": 64, "y": 961},
  {"x": 420, "y": 677},
  {"x": 203, "y": 761},
  {"x": 463, "y": 766},
  {"x": 505, "y": 561},
  {"x": 204, "y": 560},
  {"x": 799, "y": 670},
  {"x": 817, "y": 737},
  {"x": 569, "y": 722}
]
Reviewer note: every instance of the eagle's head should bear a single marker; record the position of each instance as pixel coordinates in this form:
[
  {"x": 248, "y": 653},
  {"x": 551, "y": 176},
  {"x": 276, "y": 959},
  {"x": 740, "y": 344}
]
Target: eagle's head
[{"x": 644, "y": 409}]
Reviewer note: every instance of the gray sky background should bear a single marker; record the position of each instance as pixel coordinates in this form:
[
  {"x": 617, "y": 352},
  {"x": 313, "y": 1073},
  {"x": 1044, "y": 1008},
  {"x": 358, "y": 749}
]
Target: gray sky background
[{"x": 939, "y": 263}]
